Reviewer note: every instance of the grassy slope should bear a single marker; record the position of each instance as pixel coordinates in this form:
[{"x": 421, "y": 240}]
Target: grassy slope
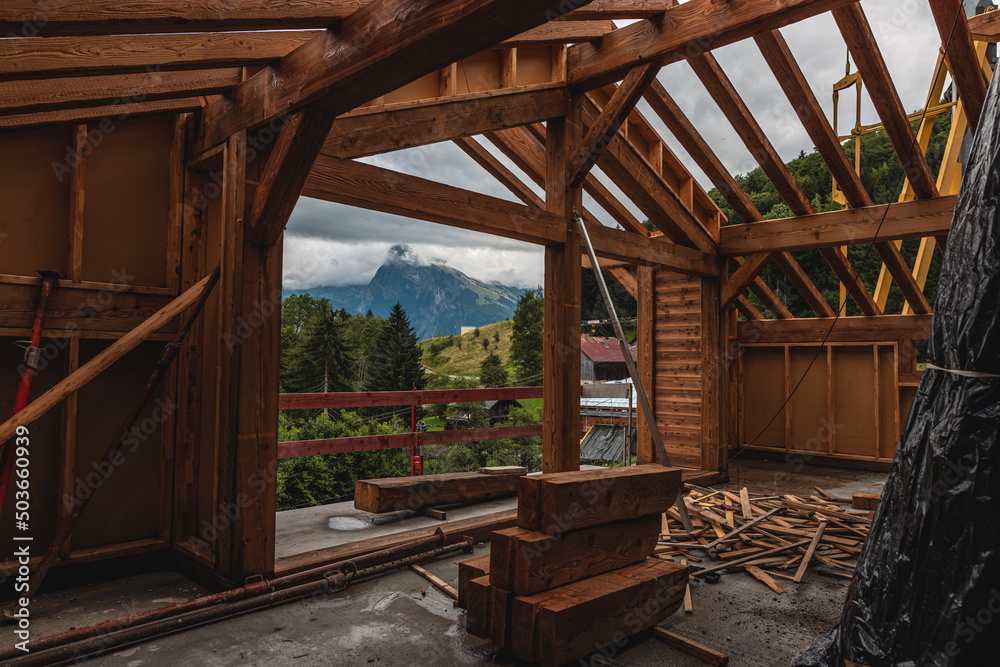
[{"x": 466, "y": 361}]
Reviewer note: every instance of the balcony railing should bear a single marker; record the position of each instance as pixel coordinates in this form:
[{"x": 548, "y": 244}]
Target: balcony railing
[{"x": 365, "y": 399}]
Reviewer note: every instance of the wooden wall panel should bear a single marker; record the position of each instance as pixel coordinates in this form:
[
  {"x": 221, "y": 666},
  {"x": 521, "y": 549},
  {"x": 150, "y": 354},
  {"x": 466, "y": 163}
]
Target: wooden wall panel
[
  {"x": 853, "y": 401},
  {"x": 34, "y": 232},
  {"x": 807, "y": 409},
  {"x": 126, "y": 506},
  {"x": 126, "y": 214},
  {"x": 677, "y": 366},
  {"x": 763, "y": 391}
]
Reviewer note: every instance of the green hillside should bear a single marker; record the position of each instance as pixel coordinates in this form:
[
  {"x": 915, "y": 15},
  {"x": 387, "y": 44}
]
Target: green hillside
[{"x": 462, "y": 355}]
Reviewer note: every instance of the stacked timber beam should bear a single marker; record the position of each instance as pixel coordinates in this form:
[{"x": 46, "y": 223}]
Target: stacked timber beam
[
  {"x": 770, "y": 537},
  {"x": 576, "y": 572},
  {"x": 393, "y": 494}
]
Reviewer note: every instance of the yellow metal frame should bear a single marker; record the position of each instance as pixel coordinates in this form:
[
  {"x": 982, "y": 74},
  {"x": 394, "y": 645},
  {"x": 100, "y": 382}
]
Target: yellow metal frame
[{"x": 949, "y": 177}]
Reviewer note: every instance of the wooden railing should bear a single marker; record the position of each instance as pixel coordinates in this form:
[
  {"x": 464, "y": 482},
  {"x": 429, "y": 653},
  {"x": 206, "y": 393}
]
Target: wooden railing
[{"x": 367, "y": 443}]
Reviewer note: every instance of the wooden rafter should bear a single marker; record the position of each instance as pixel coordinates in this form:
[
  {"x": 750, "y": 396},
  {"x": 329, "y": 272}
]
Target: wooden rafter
[
  {"x": 906, "y": 220},
  {"x": 375, "y": 50},
  {"x": 760, "y": 288},
  {"x": 610, "y": 120},
  {"x": 779, "y": 58},
  {"x": 374, "y": 130},
  {"x": 747, "y": 309},
  {"x": 953, "y": 26},
  {"x": 864, "y": 49},
  {"x": 670, "y": 113},
  {"x": 632, "y": 173},
  {"x": 288, "y": 165},
  {"x": 496, "y": 168},
  {"x": 97, "y": 113},
  {"x": 684, "y": 31},
  {"x": 375, "y": 188},
  {"x": 736, "y": 111},
  {"x": 63, "y": 93}
]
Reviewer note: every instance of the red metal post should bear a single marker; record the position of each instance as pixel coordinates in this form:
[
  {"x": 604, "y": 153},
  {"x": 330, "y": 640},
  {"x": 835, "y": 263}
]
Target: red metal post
[{"x": 416, "y": 458}]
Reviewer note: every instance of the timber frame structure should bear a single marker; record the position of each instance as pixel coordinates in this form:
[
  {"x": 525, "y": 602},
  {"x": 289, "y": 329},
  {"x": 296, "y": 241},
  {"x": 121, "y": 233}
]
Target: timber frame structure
[{"x": 144, "y": 143}]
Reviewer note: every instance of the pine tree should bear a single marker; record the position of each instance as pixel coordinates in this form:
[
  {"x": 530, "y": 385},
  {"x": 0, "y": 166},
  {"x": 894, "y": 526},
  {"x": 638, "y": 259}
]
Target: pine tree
[
  {"x": 395, "y": 365},
  {"x": 526, "y": 344},
  {"x": 323, "y": 358}
]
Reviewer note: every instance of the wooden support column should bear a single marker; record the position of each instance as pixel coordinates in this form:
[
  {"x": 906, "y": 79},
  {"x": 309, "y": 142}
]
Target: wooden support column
[
  {"x": 248, "y": 354},
  {"x": 563, "y": 266},
  {"x": 645, "y": 313},
  {"x": 714, "y": 375}
]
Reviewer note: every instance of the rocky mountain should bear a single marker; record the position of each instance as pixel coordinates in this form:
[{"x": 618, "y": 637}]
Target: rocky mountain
[{"x": 439, "y": 300}]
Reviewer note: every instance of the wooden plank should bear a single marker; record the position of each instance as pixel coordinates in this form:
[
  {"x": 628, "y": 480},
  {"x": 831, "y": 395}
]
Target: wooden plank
[
  {"x": 371, "y": 53},
  {"x": 100, "y": 362},
  {"x": 857, "y": 33},
  {"x": 97, "y": 53},
  {"x": 963, "y": 63},
  {"x": 765, "y": 578},
  {"x": 61, "y": 93},
  {"x": 360, "y": 399},
  {"x": 684, "y": 31},
  {"x": 479, "y": 598},
  {"x": 561, "y": 329},
  {"x": 809, "y": 552},
  {"x": 529, "y": 561},
  {"x": 984, "y": 27},
  {"x": 391, "y": 127},
  {"x": 412, "y": 493},
  {"x": 285, "y": 173},
  {"x": 609, "y": 121},
  {"x": 97, "y": 113},
  {"x": 561, "y": 32},
  {"x": 865, "y": 501},
  {"x": 569, "y": 622},
  {"x": 376, "y": 188},
  {"x": 470, "y": 569},
  {"x": 846, "y": 329},
  {"x": 436, "y": 580},
  {"x": 646, "y": 348},
  {"x": 559, "y": 502},
  {"x": 504, "y": 470},
  {"x": 691, "y": 647},
  {"x": 77, "y": 196}
]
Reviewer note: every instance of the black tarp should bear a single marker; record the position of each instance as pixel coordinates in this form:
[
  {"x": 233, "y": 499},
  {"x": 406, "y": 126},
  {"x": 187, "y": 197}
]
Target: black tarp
[
  {"x": 927, "y": 587},
  {"x": 606, "y": 442}
]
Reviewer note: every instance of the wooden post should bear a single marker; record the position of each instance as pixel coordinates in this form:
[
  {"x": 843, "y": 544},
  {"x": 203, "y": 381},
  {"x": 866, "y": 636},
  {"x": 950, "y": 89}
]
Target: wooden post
[
  {"x": 563, "y": 266},
  {"x": 645, "y": 315},
  {"x": 714, "y": 375}
]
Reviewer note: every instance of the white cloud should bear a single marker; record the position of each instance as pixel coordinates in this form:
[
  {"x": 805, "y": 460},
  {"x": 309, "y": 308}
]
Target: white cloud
[{"x": 329, "y": 244}]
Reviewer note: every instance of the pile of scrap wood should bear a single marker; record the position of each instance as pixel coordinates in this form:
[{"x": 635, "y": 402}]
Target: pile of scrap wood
[
  {"x": 416, "y": 494},
  {"x": 576, "y": 575},
  {"x": 769, "y": 536}
]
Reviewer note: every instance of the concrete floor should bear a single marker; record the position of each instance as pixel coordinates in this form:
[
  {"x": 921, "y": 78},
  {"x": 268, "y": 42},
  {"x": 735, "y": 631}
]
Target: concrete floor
[{"x": 399, "y": 619}]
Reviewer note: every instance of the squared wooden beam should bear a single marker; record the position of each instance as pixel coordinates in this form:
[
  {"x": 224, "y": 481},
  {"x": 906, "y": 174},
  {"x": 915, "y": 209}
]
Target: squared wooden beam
[
  {"x": 614, "y": 113},
  {"x": 953, "y": 26}
]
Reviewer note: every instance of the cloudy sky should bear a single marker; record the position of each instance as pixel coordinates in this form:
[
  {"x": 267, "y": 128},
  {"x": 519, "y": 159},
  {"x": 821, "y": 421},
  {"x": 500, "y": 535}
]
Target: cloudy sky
[{"x": 330, "y": 244}]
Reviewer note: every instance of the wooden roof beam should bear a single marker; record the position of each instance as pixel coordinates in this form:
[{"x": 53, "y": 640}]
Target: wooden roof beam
[
  {"x": 375, "y": 50},
  {"x": 904, "y": 220},
  {"x": 374, "y": 130},
  {"x": 610, "y": 120},
  {"x": 759, "y": 287},
  {"x": 779, "y": 58},
  {"x": 670, "y": 113},
  {"x": 35, "y": 95},
  {"x": 736, "y": 111},
  {"x": 683, "y": 31},
  {"x": 99, "y": 113},
  {"x": 747, "y": 309},
  {"x": 499, "y": 171},
  {"x": 861, "y": 42},
  {"x": 367, "y": 186},
  {"x": 953, "y": 26}
]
